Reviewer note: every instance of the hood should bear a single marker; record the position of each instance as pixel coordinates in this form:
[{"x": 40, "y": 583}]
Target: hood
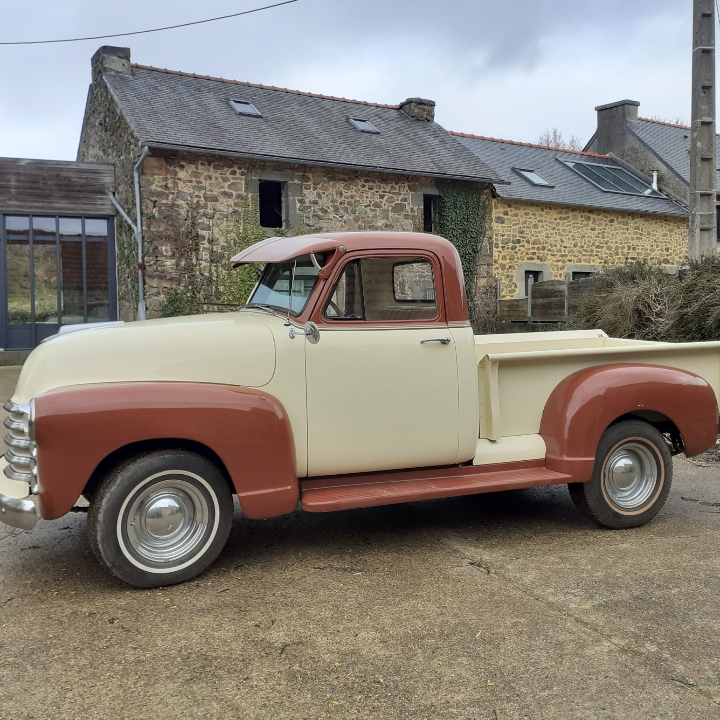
[{"x": 225, "y": 348}]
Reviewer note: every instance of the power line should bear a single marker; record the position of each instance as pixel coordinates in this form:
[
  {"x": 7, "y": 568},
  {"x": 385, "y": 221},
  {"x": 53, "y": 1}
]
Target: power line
[{"x": 143, "y": 32}]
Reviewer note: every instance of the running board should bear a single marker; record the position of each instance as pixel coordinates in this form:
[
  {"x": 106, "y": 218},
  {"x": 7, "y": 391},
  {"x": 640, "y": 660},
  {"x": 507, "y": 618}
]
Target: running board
[{"x": 344, "y": 492}]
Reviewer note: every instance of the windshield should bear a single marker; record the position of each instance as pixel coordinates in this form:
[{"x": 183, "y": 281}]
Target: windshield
[{"x": 273, "y": 289}]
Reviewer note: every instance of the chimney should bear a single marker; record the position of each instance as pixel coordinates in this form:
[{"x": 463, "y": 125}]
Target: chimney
[
  {"x": 109, "y": 59},
  {"x": 419, "y": 109},
  {"x": 611, "y": 120}
]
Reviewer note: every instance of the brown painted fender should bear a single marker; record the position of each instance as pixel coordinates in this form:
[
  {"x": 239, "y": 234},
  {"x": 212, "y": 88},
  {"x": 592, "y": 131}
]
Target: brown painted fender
[
  {"x": 583, "y": 405},
  {"x": 77, "y": 427}
]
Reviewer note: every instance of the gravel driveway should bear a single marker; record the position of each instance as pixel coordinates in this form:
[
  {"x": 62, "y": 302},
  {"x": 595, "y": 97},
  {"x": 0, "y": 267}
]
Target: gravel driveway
[{"x": 496, "y": 606}]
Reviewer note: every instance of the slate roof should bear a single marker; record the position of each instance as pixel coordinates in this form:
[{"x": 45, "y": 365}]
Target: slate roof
[
  {"x": 168, "y": 108},
  {"x": 570, "y": 188},
  {"x": 670, "y": 143}
]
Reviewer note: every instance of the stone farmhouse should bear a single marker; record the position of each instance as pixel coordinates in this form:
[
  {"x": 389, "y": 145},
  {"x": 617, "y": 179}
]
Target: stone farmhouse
[
  {"x": 223, "y": 153},
  {"x": 573, "y": 212}
]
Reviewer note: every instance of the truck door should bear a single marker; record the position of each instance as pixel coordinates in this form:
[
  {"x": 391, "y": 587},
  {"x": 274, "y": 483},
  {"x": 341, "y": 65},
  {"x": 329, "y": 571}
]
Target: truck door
[{"x": 382, "y": 385}]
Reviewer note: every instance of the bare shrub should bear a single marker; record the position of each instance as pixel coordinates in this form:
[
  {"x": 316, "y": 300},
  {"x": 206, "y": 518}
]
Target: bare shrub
[
  {"x": 694, "y": 314},
  {"x": 628, "y": 301}
]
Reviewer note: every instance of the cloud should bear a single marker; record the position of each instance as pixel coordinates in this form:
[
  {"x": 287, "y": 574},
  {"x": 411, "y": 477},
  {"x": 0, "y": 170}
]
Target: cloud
[{"x": 509, "y": 69}]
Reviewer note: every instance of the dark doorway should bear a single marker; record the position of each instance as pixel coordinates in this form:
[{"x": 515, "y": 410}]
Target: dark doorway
[
  {"x": 430, "y": 203},
  {"x": 271, "y": 204}
]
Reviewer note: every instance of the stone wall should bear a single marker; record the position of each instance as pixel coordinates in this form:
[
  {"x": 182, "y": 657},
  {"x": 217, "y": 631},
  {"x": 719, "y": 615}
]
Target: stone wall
[
  {"x": 555, "y": 239},
  {"x": 107, "y": 137}
]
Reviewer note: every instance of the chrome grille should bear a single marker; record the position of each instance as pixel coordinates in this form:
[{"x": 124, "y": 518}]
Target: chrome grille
[{"x": 21, "y": 453}]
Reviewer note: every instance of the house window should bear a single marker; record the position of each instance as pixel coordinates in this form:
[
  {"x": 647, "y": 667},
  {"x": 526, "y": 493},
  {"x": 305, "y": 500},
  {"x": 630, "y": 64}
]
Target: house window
[
  {"x": 533, "y": 275},
  {"x": 610, "y": 178},
  {"x": 363, "y": 125},
  {"x": 533, "y": 178},
  {"x": 581, "y": 275},
  {"x": 57, "y": 271},
  {"x": 244, "y": 108},
  {"x": 271, "y": 203},
  {"x": 430, "y": 203}
]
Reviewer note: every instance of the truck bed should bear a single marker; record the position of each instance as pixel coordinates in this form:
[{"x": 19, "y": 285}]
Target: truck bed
[{"x": 517, "y": 373}]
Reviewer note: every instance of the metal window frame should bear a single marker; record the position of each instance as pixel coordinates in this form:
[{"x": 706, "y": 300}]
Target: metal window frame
[
  {"x": 354, "y": 122},
  {"x": 254, "y": 113},
  {"x": 520, "y": 171},
  {"x": 109, "y": 241},
  {"x": 657, "y": 195}
]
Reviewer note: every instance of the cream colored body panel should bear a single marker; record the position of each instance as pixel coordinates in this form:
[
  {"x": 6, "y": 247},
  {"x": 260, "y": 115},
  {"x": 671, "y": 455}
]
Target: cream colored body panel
[
  {"x": 468, "y": 410},
  {"x": 515, "y": 385},
  {"x": 225, "y": 348},
  {"x": 513, "y": 448},
  {"x": 378, "y": 399},
  {"x": 288, "y": 384}
]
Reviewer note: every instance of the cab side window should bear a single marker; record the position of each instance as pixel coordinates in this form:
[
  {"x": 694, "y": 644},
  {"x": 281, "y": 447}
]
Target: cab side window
[{"x": 384, "y": 289}]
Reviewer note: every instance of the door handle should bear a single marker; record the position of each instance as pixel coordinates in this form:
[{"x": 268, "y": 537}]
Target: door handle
[{"x": 442, "y": 340}]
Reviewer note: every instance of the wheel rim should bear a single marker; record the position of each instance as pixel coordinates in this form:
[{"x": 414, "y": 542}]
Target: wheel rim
[
  {"x": 630, "y": 476},
  {"x": 168, "y": 522}
]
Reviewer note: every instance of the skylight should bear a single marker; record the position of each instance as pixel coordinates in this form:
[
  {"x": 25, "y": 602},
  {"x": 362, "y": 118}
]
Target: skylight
[
  {"x": 241, "y": 107},
  {"x": 533, "y": 178},
  {"x": 612, "y": 179},
  {"x": 363, "y": 125}
]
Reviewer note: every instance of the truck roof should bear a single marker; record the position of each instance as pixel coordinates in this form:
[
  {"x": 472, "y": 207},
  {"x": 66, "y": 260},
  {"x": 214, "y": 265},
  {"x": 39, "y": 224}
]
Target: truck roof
[{"x": 282, "y": 249}]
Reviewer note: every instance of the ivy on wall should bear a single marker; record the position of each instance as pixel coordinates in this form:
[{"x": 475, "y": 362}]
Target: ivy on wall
[
  {"x": 461, "y": 219},
  {"x": 207, "y": 282},
  {"x": 127, "y": 270}
]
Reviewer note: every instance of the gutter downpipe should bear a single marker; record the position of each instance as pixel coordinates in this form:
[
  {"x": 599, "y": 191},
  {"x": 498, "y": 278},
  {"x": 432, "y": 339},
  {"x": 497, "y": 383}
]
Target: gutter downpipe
[
  {"x": 136, "y": 228},
  {"x": 139, "y": 234}
]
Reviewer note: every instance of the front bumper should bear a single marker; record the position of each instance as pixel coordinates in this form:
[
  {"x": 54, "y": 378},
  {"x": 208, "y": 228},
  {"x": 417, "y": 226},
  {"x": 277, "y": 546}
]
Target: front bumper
[
  {"x": 18, "y": 512},
  {"x": 17, "y": 508}
]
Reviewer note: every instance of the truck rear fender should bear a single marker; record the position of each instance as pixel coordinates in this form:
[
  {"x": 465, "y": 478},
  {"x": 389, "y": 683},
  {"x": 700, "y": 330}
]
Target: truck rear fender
[
  {"x": 585, "y": 404},
  {"x": 80, "y": 429}
]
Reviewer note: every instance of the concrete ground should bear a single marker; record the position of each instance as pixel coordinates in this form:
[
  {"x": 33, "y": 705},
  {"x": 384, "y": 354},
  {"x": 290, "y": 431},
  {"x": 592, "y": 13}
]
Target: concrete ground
[{"x": 496, "y": 606}]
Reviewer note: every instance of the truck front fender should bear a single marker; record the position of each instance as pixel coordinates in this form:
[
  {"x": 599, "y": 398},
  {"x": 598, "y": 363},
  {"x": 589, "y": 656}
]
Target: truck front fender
[
  {"x": 77, "y": 427},
  {"x": 585, "y": 404}
]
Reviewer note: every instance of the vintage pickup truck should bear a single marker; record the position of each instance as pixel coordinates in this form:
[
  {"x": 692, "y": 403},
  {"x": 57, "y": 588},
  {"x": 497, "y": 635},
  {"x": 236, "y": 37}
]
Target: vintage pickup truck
[{"x": 352, "y": 378}]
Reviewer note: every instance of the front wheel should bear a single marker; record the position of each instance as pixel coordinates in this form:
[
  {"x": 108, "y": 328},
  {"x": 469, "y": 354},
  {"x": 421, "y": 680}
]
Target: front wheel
[
  {"x": 631, "y": 479},
  {"x": 160, "y": 518}
]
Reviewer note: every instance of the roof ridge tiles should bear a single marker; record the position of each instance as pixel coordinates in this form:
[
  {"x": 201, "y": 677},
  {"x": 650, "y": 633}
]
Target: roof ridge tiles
[
  {"x": 662, "y": 122},
  {"x": 668, "y": 124},
  {"x": 525, "y": 144},
  {"x": 263, "y": 87}
]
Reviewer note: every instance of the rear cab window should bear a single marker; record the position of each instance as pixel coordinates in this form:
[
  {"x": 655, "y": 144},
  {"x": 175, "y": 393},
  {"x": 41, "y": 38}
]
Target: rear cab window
[{"x": 384, "y": 289}]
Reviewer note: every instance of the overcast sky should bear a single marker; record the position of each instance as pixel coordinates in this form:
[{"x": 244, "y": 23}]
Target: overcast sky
[{"x": 508, "y": 69}]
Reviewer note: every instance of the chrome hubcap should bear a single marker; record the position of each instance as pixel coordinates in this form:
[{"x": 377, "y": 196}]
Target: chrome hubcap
[
  {"x": 630, "y": 476},
  {"x": 167, "y": 522}
]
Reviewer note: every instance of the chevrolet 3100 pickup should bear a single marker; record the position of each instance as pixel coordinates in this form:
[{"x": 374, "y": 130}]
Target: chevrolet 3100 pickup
[{"x": 351, "y": 378}]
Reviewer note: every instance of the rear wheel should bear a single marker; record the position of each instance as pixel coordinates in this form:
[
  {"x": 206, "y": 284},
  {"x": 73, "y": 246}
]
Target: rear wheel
[
  {"x": 160, "y": 518},
  {"x": 631, "y": 479}
]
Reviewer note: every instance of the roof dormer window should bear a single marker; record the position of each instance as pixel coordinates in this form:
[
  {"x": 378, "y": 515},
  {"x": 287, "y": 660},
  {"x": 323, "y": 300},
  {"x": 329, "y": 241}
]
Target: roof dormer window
[
  {"x": 363, "y": 125},
  {"x": 610, "y": 178},
  {"x": 533, "y": 178},
  {"x": 242, "y": 107}
]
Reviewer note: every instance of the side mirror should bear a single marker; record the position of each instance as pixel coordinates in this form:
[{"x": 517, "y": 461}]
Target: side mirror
[{"x": 312, "y": 332}]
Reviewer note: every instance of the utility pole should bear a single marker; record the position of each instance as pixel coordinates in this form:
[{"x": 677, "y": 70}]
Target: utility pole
[{"x": 703, "y": 220}]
